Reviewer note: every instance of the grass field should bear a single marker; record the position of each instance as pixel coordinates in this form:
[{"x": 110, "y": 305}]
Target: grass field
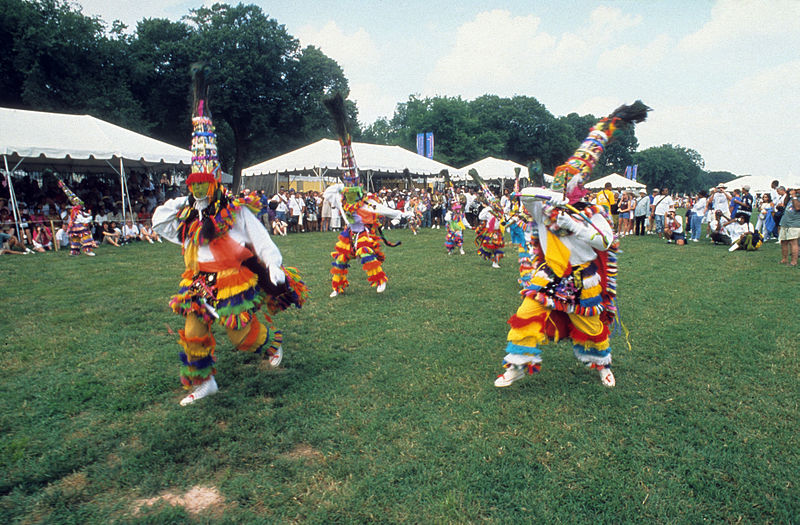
[{"x": 384, "y": 409}]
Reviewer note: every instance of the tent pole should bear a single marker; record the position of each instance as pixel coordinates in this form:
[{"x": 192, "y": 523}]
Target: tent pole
[{"x": 14, "y": 205}]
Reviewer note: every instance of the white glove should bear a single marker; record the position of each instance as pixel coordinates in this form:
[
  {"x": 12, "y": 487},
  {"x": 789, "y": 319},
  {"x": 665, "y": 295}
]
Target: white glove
[
  {"x": 395, "y": 222},
  {"x": 276, "y": 275},
  {"x": 568, "y": 223},
  {"x": 558, "y": 200}
]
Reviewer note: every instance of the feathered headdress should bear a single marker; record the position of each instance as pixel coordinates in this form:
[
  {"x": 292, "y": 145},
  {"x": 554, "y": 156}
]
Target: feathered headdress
[
  {"x": 205, "y": 161},
  {"x": 73, "y": 199},
  {"x": 335, "y": 106},
  {"x": 570, "y": 176}
]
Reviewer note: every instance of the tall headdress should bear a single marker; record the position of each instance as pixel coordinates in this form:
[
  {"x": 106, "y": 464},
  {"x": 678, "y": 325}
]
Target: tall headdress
[
  {"x": 205, "y": 161},
  {"x": 73, "y": 199},
  {"x": 335, "y": 105},
  {"x": 570, "y": 176}
]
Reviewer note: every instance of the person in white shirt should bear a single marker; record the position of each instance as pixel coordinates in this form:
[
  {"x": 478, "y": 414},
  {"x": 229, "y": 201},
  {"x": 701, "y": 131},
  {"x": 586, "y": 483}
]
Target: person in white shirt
[
  {"x": 130, "y": 232},
  {"x": 673, "y": 228},
  {"x": 661, "y": 205},
  {"x": 698, "y": 214},
  {"x": 296, "y": 206}
]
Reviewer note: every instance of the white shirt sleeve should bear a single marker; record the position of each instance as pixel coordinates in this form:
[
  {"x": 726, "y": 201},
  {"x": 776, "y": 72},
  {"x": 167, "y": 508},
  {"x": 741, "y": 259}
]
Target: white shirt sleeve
[
  {"x": 165, "y": 221},
  {"x": 265, "y": 248}
]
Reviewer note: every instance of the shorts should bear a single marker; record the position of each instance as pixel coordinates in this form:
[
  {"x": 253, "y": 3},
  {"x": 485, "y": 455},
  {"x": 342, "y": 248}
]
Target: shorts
[
  {"x": 788, "y": 234},
  {"x": 678, "y": 237}
]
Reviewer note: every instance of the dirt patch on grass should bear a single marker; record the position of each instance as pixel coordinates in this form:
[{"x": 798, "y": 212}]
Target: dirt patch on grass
[
  {"x": 305, "y": 452},
  {"x": 196, "y": 500}
]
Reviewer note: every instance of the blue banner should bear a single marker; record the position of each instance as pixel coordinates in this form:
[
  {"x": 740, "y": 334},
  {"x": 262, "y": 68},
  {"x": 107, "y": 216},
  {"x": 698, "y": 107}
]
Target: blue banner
[
  {"x": 634, "y": 172},
  {"x": 627, "y": 172},
  {"x": 429, "y": 144},
  {"x": 421, "y": 144}
]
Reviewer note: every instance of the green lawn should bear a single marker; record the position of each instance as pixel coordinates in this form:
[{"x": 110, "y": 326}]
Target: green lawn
[{"x": 385, "y": 411}]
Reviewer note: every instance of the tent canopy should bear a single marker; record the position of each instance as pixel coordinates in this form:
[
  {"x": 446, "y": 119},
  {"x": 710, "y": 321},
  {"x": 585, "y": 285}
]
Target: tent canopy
[
  {"x": 492, "y": 168},
  {"x": 618, "y": 182},
  {"x": 762, "y": 183},
  {"x": 326, "y": 154},
  {"x": 80, "y": 142}
]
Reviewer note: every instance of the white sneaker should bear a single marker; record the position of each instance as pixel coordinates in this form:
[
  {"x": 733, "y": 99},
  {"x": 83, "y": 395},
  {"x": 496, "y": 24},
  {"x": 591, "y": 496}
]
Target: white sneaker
[
  {"x": 450, "y": 253},
  {"x": 90, "y": 254},
  {"x": 381, "y": 287},
  {"x": 334, "y": 294},
  {"x": 159, "y": 240},
  {"x": 462, "y": 251},
  {"x": 607, "y": 377},
  {"x": 777, "y": 242},
  {"x": 695, "y": 240},
  {"x": 509, "y": 376},
  {"x": 207, "y": 388},
  {"x": 495, "y": 265},
  {"x": 150, "y": 241},
  {"x": 276, "y": 358},
  {"x": 733, "y": 247}
]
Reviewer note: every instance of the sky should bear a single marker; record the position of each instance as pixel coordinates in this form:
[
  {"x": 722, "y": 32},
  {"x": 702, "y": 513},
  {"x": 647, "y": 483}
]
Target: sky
[{"x": 722, "y": 77}]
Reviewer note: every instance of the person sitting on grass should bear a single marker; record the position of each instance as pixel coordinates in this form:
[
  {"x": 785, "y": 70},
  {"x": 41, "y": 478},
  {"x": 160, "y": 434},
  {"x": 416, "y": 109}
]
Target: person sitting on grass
[
  {"x": 10, "y": 243},
  {"x": 130, "y": 232},
  {"x": 718, "y": 229},
  {"x": 743, "y": 235},
  {"x": 109, "y": 235},
  {"x": 673, "y": 228},
  {"x": 146, "y": 233},
  {"x": 42, "y": 239}
]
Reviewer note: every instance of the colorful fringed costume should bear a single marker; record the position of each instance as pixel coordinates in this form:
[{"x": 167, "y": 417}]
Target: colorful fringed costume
[
  {"x": 456, "y": 223},
  {"x": 489, "y": 235},
  {"x": 80, "y": 235},
  {"x": 362, "y": 236},
  {"x": 233, "y": 268},
  {"x": 570, "y": 292}
]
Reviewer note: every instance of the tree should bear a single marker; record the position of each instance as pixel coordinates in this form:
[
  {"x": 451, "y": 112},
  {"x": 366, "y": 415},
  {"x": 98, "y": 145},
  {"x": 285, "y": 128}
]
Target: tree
[
  {"x": 249, "y": 55},
  {"x": 675, "y": 167}
]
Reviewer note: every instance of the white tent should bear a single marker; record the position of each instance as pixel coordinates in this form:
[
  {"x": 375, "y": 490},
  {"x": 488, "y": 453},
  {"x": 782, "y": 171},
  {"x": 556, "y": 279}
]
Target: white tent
[
  {"x": 618, "y": 182},
  {"x": 492, "y": 168},
  {"x": 36, "y": 139},
  {"x": 762, "y": 183},
  {"x": 324, "y": 156}
]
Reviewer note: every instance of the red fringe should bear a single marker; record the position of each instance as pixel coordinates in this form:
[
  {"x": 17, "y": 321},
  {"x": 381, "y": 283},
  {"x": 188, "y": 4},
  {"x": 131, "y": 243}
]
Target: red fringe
[
  {"x": 378, "y": 278},
  {"x": 518, "y": 322},
  {"x": 199, "y": 178},
  {"x": 580, "y": 337}
]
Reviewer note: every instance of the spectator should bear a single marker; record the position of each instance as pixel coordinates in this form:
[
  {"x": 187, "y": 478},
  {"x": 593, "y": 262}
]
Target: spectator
[
  {"x": 651, "y": 223},
  {"x": 311, "y": 212},
  {"x": 742, "y": 234},
  {"x": 720, "y": 200},
  {"x": 780, "y": 207},
  {"x": 746, "y": 202},
  {"x": 765, "y": 224},
  {"x": 698, "y": 214},
  {"x": 109, "y": 235},
  {"x": 790, "y": 228},
  {"x": 661, "y": 205},
  {"x": 42, "y": 238},
  {"x": 130, "y": 232},
  {"x": 10, "y": 244},
  {"x": 627, "y": 205},
  {"x": 62, "y": 237},
  {"x": 326, "y": 215},
  {"x": 673, "y": 228},
  {"x": 640, "y": 212},
  {"x": 718, "y": 228},
  {"x": 146, "y": 232},
  {"x": 296, "y": 207}
]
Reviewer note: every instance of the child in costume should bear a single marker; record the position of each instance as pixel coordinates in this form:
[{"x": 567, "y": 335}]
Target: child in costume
[
  {"x": 456, "y": 223},
  {"x": 232, "y": 266},
  {"x": 80, "y": 235},
  {"x": 571, "y": 292},
  {"x": 360, "y": 210}
]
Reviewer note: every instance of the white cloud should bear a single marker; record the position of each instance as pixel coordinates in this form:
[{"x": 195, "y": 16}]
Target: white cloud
[
  {"x": 373, "y": 101},
  {"x": 352, "y": 51},
  {"x": 732, "y": 20},
  {"x": 628, "y": 57}
]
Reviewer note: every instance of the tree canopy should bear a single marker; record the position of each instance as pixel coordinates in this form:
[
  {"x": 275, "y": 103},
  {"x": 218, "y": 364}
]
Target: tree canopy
[{"x": 266, "y": 93}]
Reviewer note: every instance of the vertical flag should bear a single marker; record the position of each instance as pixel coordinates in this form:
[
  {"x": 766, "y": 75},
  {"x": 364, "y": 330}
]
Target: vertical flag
[
  {"x": 429, "y": 144},
  {"x": 634, "y": 172},
  {"x": 627, "y": 172},
  {"x": 421, "y": 144}
]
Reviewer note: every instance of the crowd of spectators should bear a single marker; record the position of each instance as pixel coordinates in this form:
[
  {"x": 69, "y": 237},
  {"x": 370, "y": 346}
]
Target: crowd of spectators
[
  {"x": 44, "y": 212},
  {"x": 728, "y": 216}
]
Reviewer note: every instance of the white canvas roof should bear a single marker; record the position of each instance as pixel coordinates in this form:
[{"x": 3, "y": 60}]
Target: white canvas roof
[
  {"x": 492, "y": 168},
  {"x": 762, "y": 183},
  {"x": 617, "y": 182},
  {"x": 79, "y": 140},
  {"x": 326, "y": 154}
]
